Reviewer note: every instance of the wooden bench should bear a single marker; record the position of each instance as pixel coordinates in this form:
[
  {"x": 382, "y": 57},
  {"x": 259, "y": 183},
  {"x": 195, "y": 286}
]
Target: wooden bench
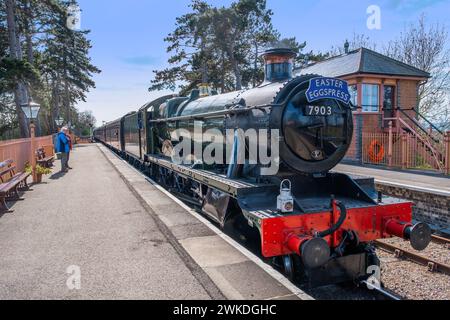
[
  {"x": 43, "y": 160},
  {"x": 10, "y": 182}
]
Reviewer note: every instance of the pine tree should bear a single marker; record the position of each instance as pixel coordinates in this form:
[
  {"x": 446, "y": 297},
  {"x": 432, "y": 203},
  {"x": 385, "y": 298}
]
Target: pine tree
[
  {"x": 221, "y": 46},
  {"x": 67, "y": 69},
  {"x": 16, "y": 56},
  {"x": 51, "y": 65},
  {"x": 189, "y": 45}
]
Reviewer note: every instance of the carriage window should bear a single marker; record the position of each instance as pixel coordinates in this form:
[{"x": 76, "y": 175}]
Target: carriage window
[{"x": 370, "y": 98}]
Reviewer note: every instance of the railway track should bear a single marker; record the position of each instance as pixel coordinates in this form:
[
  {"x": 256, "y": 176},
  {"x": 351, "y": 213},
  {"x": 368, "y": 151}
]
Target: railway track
[
  {"x": 332, "y": 292},
  {"x": 347, "y": 291},
  {"x": 384, "y": 293},
  {"x": 432, "y": 264},
  {"x": 440, "y": 240},
  {"x": 341, "y": 292}
]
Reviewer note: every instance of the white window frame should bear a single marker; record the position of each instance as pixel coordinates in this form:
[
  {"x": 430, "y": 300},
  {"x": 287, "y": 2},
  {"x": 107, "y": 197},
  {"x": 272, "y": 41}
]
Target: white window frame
[
  {"x": 353, "y": 88},
  {"x": 373, "y": 105}
]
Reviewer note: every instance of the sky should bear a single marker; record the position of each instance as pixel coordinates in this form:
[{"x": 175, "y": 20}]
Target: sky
[{"x": 128, "y": 37}]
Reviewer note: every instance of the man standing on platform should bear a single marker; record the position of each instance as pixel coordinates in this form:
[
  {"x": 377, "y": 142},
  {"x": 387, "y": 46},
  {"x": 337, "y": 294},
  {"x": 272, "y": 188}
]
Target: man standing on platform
[{"x": 62, "y": 146}]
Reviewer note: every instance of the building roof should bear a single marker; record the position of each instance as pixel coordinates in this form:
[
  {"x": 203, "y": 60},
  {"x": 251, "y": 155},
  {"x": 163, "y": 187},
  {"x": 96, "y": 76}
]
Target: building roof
[{"x": 361, "y": 60}]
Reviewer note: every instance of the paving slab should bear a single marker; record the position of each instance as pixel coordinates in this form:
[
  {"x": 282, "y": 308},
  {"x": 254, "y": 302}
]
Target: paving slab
[
  {"x": 191, "y": 230},
  {"x": 253, "y": 287},
  {"x": 432, "y": 183},
  {"x": 212, "y": 251},
  {"x": 88, "y": 220}
]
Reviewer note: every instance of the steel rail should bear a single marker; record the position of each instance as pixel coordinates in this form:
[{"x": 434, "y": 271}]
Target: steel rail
[
  {"x": 382, "y": 291},
  {"x": 440, "y": 240},
  {"x": 432, "y": 265}
]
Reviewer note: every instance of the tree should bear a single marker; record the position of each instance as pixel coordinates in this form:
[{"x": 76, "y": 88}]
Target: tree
[
  {"x": 228, "y": 30},
  {"x": 259, "y": 34},
  {"x": 51, "y": 65},
  {"x": 302, "y": 58},
  {"x": 221, "y": 46},
  {"x": 189, "y": 45},
  {"x": 424, "y": 47},
  {"x": 15, "y": 52},
  {"x": 67, "y": 69},
  {"x": 85, "y": 122}
]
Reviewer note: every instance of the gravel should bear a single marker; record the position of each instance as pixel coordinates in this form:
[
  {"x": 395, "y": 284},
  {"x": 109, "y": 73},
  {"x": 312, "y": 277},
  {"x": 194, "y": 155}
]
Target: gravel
[
  {"x": 411, "y": 280},
  {"x": 435, "y": 251}
]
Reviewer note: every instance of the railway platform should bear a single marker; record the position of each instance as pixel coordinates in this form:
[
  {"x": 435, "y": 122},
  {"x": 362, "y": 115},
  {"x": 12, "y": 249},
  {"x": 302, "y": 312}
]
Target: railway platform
[
  {"x": 103, "y": 231},
  {"x": 417, "y": 181}
]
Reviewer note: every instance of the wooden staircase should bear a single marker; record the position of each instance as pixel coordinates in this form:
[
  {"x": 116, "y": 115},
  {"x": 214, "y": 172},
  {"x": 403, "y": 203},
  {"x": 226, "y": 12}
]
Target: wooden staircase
[{"x": 430, "y": 141}]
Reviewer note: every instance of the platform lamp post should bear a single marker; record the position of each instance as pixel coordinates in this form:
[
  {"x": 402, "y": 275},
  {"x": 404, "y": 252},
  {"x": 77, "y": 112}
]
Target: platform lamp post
[
  {"x": 31, "y": 111},
  {"x": 91, "y": 131},
  {"x": 72, "y": 132}
]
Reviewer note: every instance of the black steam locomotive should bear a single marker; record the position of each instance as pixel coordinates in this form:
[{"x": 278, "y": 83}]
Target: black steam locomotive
[{"x": 316, "y": 224}]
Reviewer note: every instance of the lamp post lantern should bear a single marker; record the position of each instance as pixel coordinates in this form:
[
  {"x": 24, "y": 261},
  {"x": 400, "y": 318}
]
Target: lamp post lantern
[
  {"x": 31, "y": 111},
  {"x": 59, "y": 121}
]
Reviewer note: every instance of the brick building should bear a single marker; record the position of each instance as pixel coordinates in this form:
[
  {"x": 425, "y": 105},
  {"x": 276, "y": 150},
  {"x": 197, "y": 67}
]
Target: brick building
[{"x": 384, "y": 90}]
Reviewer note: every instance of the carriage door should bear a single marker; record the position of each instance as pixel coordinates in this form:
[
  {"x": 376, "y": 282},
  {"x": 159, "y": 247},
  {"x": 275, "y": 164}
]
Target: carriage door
[
  {"x": 389, "y": 104},
  {"x": 149, "y": 132},
  {"x": 140, "y": 126}
]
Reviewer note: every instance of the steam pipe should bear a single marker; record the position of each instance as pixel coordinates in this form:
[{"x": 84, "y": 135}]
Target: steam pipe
[
  {"x": 338, "y": 224},
  {"x": 235, "y": 168}
]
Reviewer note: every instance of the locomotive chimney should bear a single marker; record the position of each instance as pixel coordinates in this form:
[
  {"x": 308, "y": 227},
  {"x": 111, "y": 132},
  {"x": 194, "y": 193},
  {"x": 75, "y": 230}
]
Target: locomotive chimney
[{"x": 279, "y": 63}]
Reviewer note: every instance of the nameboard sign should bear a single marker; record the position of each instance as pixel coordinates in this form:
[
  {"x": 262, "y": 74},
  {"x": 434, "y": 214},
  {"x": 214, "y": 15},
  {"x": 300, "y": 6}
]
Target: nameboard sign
[{"x": 328, "y": 88}]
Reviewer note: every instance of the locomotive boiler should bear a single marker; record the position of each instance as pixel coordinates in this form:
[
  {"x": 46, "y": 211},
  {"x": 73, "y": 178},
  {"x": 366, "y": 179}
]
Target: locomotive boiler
[{"x": 315, "y": 224}]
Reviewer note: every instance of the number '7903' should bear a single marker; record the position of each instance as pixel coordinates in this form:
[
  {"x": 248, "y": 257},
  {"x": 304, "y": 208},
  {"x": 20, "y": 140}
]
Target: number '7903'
[{"x": 319, "y": 111}]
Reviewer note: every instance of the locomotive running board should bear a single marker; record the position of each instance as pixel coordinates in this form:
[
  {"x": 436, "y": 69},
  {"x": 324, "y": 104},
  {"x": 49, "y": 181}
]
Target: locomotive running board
[{"x": 234, "y": 187}]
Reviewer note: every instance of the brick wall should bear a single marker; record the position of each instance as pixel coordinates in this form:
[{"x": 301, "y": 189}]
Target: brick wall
[
  {"x": 431, "y": 208},
  {"x": 407, "y": 93},
  {"x": 371, "y": 123},
  {"x": 407, "y": 97},
  {"x": 362, "y": 123},
  {"x": 352, "y": 151}
]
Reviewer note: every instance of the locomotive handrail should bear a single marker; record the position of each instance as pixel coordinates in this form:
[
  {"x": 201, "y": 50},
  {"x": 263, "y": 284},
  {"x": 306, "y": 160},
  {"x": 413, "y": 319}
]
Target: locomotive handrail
[
  {"x": 230, "y": 110},
  {"x": 236, "y": 110},
  {"x": 213, "y": 114}
]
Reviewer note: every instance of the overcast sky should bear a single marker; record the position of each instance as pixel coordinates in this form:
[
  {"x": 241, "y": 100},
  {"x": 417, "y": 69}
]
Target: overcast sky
[{"x": 127, "y": 37}]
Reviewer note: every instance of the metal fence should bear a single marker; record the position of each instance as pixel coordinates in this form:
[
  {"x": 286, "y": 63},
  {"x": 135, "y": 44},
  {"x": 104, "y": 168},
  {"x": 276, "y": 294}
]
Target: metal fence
[
  {"x": 405, "y": 150},
  {"x": 19, "y": 150}
]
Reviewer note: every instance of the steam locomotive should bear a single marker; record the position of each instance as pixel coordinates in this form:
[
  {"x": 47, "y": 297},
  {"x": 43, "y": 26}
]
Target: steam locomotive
[{"x": 315, "y": 224}]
